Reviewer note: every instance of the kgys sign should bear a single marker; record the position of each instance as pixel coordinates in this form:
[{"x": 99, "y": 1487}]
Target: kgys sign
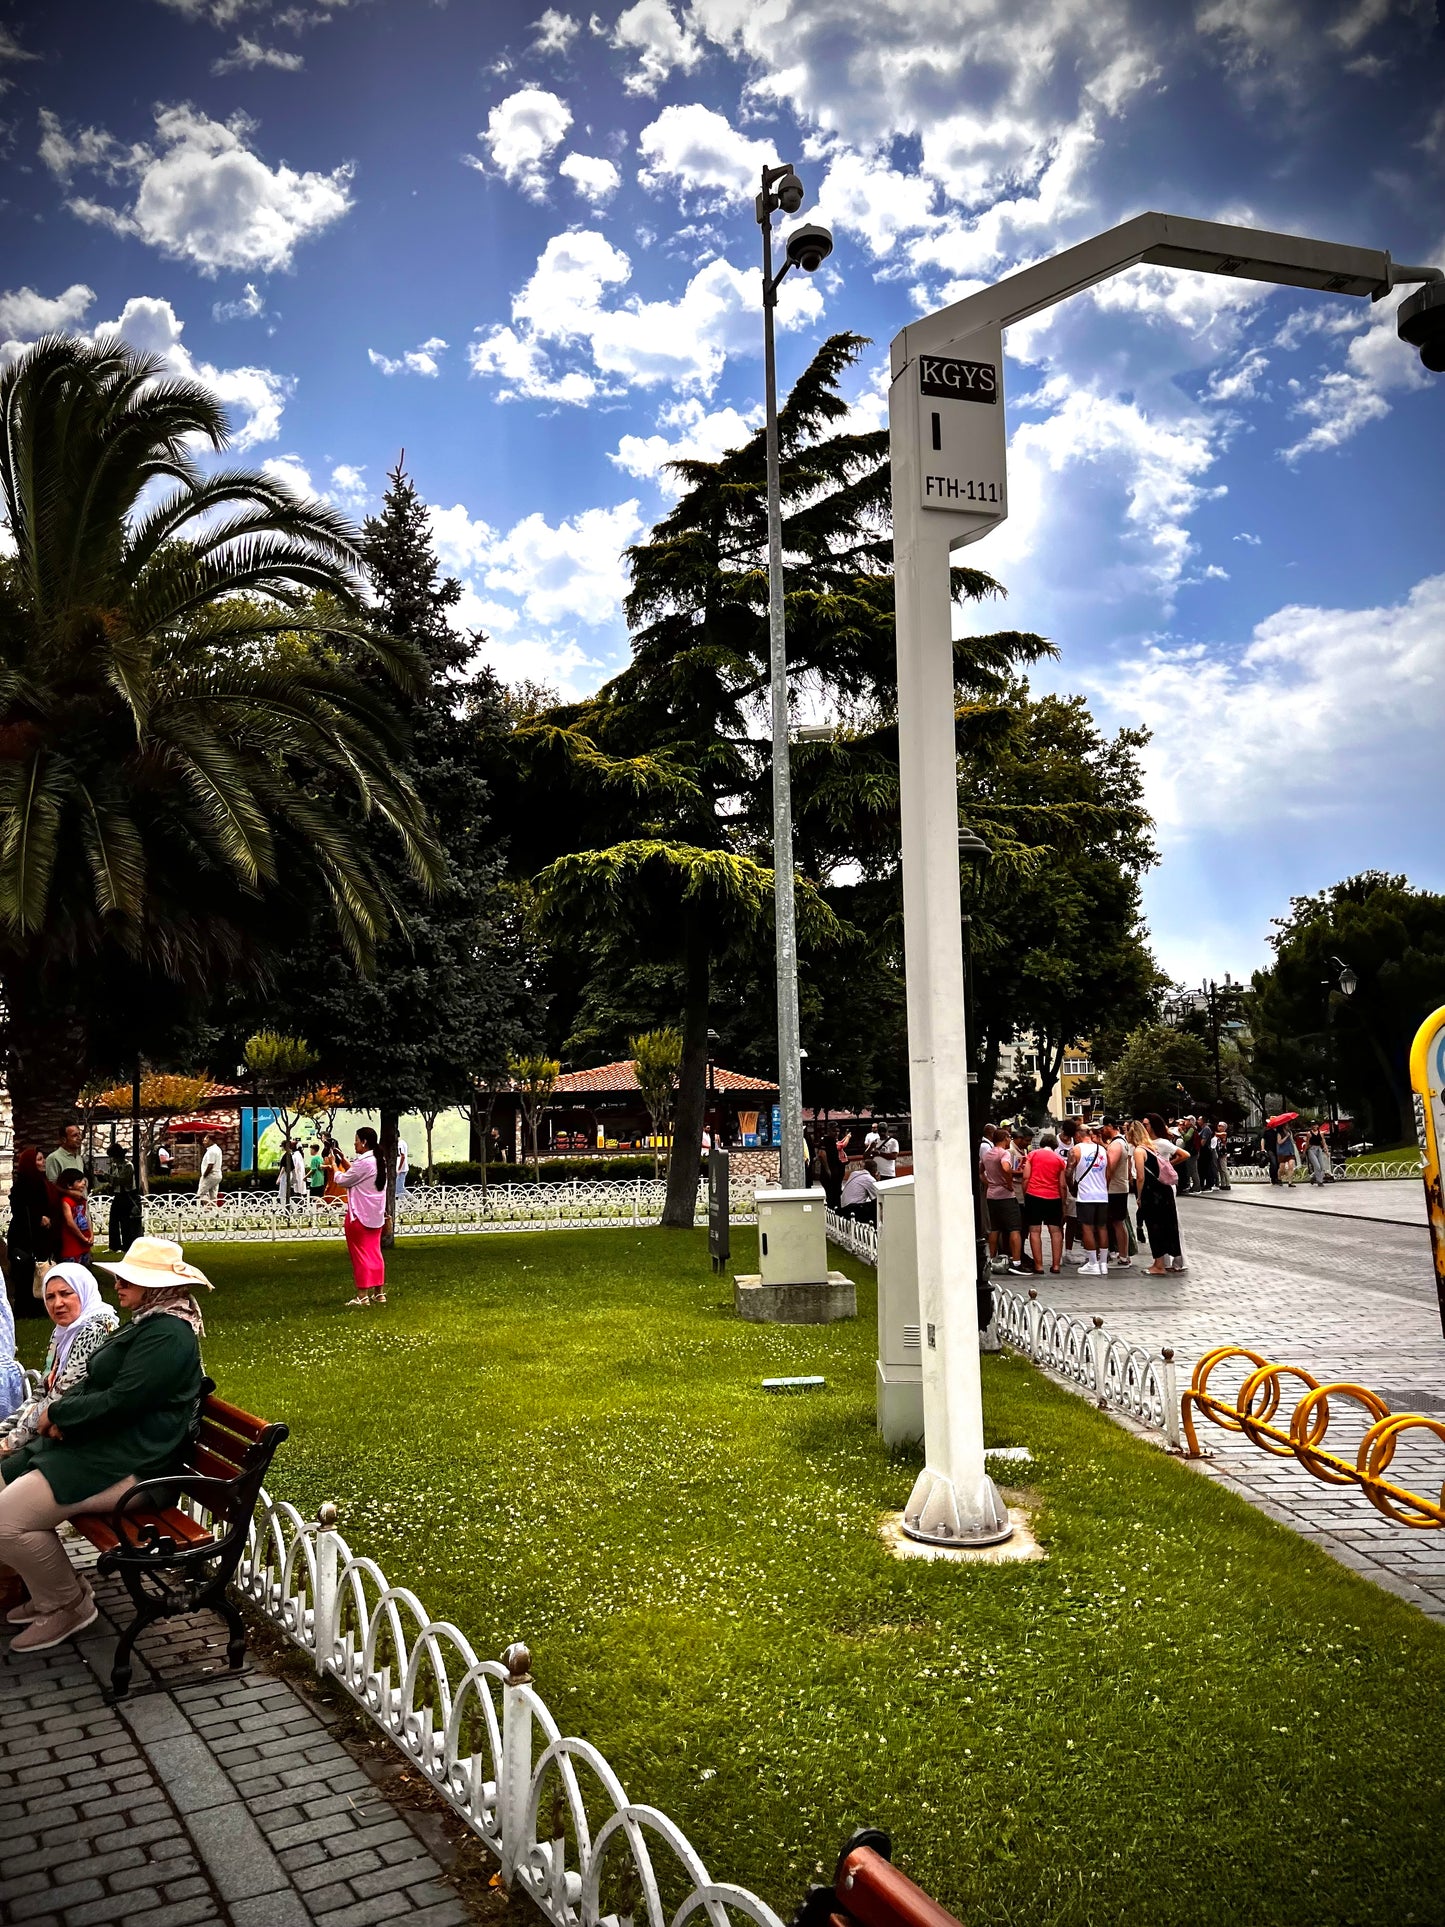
[{"x": 961, "y": 440}]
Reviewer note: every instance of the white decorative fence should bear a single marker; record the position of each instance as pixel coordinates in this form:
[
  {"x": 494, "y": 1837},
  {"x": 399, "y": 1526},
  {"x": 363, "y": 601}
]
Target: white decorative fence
[
  {"x": 1366, "y": 1168},
  {"x": 548, "y": 1807},
  {"x": 431, "y": 1210},
  {"x": 1120, "y": 1375},
  {"x": 853, "y": 1235}
]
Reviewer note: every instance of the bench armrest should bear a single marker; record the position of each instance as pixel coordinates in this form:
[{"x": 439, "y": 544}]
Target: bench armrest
[{"x": 147, "y": 1540}]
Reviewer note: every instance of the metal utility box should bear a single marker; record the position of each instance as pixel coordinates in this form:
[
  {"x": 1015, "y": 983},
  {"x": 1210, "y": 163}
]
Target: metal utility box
[
  {"x": 900, "y": 1340},
  {"x": 792, "y": 1237}
]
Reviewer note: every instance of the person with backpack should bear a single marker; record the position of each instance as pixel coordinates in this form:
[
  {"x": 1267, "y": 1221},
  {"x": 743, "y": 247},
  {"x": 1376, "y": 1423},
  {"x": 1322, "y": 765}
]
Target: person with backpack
[{"x": 1088, "y": 1180}]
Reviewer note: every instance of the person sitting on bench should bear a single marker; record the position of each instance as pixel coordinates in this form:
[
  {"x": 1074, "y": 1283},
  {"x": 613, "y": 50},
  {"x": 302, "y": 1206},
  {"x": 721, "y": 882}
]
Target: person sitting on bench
[
  {"x": 83, "y": 1322},
  {"x": 129, "y": 1421}
]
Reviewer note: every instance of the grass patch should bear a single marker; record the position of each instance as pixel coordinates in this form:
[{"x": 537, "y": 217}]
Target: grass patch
[
  {"x": 1397, "y": 1157},
  {"x": 1185, "y": 1711}
]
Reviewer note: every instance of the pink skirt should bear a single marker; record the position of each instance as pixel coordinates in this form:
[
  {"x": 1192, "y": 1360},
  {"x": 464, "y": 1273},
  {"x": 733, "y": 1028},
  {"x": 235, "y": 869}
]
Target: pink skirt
[{"x": 368, "y": 1267}]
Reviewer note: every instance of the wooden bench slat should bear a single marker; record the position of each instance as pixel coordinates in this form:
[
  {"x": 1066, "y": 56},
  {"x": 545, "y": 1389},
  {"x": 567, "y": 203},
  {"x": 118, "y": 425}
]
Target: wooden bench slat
[
  {"x": 223, "y": 1445},
  {"x": 179, "y": 1525},
  {"x": 233, "y": 1418},
  {"x": 210, "y": 1466}
]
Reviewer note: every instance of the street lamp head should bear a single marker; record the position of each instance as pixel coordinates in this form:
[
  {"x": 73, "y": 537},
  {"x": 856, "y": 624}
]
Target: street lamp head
[
  {"x": 971, "y": 846},
  {"x": 808, "y": 248},
  {"x": 1348, "y": 981},
  {"x": 789, "y": 192},
  {"x": 1421, "y": 322}
]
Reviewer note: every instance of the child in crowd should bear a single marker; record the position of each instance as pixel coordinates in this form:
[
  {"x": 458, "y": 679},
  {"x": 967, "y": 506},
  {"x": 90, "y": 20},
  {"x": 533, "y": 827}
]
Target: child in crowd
[{"x": 76, "y": 1235}]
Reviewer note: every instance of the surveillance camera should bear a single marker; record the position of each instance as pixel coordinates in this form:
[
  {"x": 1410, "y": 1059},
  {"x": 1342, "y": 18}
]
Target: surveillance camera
[
  {"x": 1421, "y": 322},
  {"x": 809, "y": 248},
  {"x": 789, "y": 192}
]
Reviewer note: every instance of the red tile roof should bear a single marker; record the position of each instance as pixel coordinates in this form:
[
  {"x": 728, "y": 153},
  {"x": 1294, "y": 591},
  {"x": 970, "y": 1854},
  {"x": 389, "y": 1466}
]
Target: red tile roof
[{"x": 622, "y": 1076}]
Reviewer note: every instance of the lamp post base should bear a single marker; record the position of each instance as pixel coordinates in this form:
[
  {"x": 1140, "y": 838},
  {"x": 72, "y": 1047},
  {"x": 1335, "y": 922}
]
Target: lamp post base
[{"x": 933, "y": 1516}]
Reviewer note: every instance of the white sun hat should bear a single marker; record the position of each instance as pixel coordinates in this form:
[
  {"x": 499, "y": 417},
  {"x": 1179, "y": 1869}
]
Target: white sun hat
[{"x": 157, "y": 1263}]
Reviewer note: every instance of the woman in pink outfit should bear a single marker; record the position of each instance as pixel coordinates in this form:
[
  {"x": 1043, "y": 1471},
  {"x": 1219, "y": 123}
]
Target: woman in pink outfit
[{"x": 364, "y": 1182}]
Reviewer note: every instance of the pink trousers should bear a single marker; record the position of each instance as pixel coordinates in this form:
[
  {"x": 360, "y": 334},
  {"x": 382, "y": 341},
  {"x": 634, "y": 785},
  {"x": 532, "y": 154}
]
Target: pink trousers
[{"x": 368, "y": 1267}]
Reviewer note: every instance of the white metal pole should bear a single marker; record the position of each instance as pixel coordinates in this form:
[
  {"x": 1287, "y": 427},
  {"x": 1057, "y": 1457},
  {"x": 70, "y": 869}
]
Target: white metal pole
[
  {"x": 953, "y": 1501},
  {"x": 791, "y": 1162}
]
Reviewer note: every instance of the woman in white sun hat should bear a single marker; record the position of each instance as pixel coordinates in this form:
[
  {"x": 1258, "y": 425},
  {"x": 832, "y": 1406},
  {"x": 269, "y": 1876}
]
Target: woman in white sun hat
[{"x": 129, "y": 1421}]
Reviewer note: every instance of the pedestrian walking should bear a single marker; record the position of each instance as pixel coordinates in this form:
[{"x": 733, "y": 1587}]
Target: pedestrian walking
[
  {"x": 1044, "y": 1188},
  {"x": 1221, "y": 1155},
  {"x": 1316, "y": 1158},
  {"x": 1288, "y": 1154},
  {"x": 126, "y": 1220},
  {"x": 364, "y": 1182},
  {"x": 1204, "y": 1152},
  {"x": 1088, "y": 1179},
  {"x": 885, "y": 1162},
  {"x": 403, "y": 1167},
  {"x": 1155, "y": 1181},
  {"x": 1269, "y": 1145},
  {"x": 208, "y": 1185}
]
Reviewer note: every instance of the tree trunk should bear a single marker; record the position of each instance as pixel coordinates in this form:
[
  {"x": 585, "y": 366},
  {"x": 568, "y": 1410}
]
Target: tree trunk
[
  {"x": 390, "y": 1130},
  {"x": 46, "y": 1059},
  {"x": 686, "y": 1158}
]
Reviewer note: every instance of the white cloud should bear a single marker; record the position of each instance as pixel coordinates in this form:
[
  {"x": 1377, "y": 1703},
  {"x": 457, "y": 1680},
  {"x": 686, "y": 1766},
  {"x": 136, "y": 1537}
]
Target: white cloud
[
  {"x": 348, "y": 484},
  {"x": 292, "y": 471},
  {"x": 564, "y": 308},
  {"x": 699, "y": 435},
  {"x": 594, "y": 178},
  {"x": 249, "y": 303},
  {"x": 255, "y": 397},
  {"x": 12, "y": 51},
  {"x": 205, "y": 196},
  {"x": 415, "y": 361},
  {"x": 555, "y": 32},
  {"x": 1325, "y": 711},
  {"x": 699, "y": 152},
  {"x": 662, "y": 43},
  {"x": 1346, "y": 399},
  {"x": 24, "y": 314},
  {"x": 522, "y": 132},
  {"x": 247, "y": 55},
  {"x": 870, "y": 198}
]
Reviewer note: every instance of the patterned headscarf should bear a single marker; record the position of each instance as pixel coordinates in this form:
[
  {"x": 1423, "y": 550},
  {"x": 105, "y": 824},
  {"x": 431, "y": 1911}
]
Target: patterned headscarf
[{"x": 172, "y": 1301}]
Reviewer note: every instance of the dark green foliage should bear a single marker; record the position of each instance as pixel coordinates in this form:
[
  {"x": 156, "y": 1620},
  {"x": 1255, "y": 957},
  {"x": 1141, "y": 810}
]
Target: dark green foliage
[
  {"x": 1393, "y": 937},
  {"x": 1147, "y": 1072}
]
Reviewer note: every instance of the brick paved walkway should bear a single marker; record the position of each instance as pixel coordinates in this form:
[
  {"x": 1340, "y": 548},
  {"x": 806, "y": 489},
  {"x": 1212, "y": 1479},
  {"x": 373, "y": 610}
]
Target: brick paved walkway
[
  {"x": 1395, "y": 1200},
  {"x": 223, "y": 1801},
  {"x": 1343, "y": 1296}
]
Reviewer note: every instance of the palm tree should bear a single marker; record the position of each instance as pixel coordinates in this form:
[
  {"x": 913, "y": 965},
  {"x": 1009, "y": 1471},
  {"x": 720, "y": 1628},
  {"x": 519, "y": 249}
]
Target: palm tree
[{"x": 194, "y": 717}]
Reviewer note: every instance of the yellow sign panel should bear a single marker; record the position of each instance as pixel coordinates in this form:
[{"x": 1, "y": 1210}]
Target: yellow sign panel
[{"x": 1427, "y": 1077}]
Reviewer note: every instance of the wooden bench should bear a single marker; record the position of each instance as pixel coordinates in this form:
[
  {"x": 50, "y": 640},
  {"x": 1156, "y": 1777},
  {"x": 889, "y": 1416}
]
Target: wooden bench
[{"x": 170, "y": 1562}]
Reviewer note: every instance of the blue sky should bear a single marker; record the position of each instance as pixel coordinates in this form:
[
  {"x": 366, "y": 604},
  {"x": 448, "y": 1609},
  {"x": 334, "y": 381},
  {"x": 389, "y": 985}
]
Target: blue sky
[{"x": 519, "y": 244}]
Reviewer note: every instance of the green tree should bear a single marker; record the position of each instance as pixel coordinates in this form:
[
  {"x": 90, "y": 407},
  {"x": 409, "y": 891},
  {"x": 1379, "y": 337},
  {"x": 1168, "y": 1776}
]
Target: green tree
[
  {"x": 1159, "y": 1069},
  {"x": 1305, "y": 1031},
  {"x": 535, "y": 1078},
  {"x": 282, "y": 1072},
  {"x": 169, "y": 774},
  {"x": 665, "y": 774},
  {"x": 656, "y": 1055},
  {"x": 447, "y": 998}
]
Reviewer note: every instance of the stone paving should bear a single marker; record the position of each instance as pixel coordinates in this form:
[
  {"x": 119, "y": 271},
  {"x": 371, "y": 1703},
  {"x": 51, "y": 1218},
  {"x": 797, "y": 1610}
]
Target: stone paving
[
  {"x": 225, "y": 1799},
  {"x": 1347, "y": 1297},
  {"x": 1393, "y": 1200}
]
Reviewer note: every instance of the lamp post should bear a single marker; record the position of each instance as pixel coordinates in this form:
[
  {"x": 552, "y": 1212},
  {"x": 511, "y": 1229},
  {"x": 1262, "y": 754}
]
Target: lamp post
[
  {"x": 950, "y": 487},
  {"x": 807, "y": 248},
  {"x": 975, "y": 853},
  {"x": 1344, "y": 980}
]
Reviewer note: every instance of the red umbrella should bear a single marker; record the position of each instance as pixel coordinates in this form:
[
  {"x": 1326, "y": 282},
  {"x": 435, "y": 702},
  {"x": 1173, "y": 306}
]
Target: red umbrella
[{"x": 1285, "y": 1117}]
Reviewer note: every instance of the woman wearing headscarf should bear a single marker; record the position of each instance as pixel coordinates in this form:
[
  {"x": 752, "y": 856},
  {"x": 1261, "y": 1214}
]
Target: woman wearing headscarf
[
  {"x": 129, "y": 1421},
  {"x": 34, "y": 1230},
  {"x": 12, "y": 1378},
  {"x": 83, "y": 1322}
]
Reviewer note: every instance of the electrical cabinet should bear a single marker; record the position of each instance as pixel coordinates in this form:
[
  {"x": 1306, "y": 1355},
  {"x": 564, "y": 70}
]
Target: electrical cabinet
[
  {"x": 900, "y": 1339},
  {"x": 792, "y": 1237}
]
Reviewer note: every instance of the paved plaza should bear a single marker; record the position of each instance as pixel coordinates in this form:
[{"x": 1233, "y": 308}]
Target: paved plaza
[
  {"x": 225, "y": 1800},
  {"x": 1336, "y": 1280}
]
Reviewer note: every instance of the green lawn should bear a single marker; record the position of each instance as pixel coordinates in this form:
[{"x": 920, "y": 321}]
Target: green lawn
[{"x": 1184, "y": 1713}]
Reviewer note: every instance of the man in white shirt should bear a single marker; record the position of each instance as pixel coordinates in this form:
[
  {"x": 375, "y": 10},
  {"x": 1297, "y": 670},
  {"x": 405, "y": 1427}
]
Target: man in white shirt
[
  {"x": 871, "y": 1142},
  {"x": 298, "y": 1174},
  {"x": 403, "y": 1165},
  {"x": 208, "y": 1191},
  {"x": 885, "y": 1163}
]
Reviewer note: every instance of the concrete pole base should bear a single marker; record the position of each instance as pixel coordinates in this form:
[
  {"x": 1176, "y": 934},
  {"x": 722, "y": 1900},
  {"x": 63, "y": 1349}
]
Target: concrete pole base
[
  {"x": 933, "y": 1516},
  {"x": 820, "y": 1304}
]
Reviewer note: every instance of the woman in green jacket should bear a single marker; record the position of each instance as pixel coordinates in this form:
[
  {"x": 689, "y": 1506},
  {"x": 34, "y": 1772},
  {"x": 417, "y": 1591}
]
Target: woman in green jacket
[{"x": 128, "y": 1422}]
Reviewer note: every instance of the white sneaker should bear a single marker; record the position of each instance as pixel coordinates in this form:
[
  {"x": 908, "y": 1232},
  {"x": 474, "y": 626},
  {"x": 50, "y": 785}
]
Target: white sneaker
[{"x": 1089, "y": 1268}]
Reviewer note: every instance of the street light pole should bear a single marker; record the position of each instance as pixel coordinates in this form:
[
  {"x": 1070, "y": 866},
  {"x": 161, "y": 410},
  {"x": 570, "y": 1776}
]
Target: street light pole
[
  {"x": 781, "y": 189},
  {"x": 950, "y": 487},
  {"x": 1343, "y": 979}
]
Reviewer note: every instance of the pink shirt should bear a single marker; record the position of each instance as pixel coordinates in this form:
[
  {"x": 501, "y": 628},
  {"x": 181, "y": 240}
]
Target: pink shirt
[
  {"x": 363, "y": 1201},
  {"x": 997, "y": 1167}
]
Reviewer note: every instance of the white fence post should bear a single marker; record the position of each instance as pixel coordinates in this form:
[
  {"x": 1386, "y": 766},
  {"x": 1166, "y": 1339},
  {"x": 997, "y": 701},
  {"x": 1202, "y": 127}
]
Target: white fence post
[
  {"x": 326, "y": 1605},
  {"x": 1171, "y": 1401},
  {"x": 1097, "y": 1346},
  {"x": 516, "y": 1759},
  {"x": 1034, "y": 1317}
]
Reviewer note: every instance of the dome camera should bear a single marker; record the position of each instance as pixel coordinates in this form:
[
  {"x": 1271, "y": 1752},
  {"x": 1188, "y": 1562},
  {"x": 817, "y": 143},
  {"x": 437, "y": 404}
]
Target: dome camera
[
  {"x": 1421, "y": 322},
  {"x": 809, "y": 248},
  {"x": 789, "y": 192}
]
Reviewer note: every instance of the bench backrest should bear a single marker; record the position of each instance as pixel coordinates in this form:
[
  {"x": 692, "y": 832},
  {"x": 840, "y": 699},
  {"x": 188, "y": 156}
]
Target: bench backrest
[{"x": 228, "y": 1441}]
